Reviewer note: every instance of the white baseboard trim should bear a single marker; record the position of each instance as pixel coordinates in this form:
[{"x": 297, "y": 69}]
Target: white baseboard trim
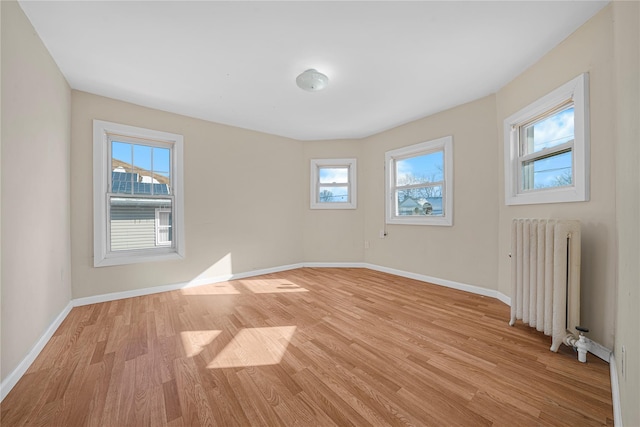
[
  {"x": 217, "y": 279},
  {"x": 615, "y": 392},
  {"x": 437, "y": 281},
  {"x": 96, "y": 299},
  {"x": 599, "y": 350},
  {"x": 166, "y": 288},
  {"x": 12, "y": 379},
  {"x": 423, "y": 278},
  {"x": 505, "y": 299},
  {"x": 335, "y": 264}
]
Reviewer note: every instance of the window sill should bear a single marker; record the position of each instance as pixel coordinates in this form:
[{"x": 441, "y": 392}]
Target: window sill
[
  {"x": 408, "y": 220},
  {"x": 559, "y": 195},
  {"x": 339, "y": 206}
]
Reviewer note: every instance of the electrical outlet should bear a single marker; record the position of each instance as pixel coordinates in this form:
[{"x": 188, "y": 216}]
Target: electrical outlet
[
  {"x": 623, "y": 363},
  {"x": 366, "y": 244},
  {"x": 382, "y": 234}
]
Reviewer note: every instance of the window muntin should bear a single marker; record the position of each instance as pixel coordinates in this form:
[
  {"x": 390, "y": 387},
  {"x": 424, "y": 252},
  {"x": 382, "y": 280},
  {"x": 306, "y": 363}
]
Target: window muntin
[
  {"x": 547, "y": 148},
  {"x": 138, "y": 198},
  {"x": 419, "y": 184},
  {"x": 333, "y": 184}
]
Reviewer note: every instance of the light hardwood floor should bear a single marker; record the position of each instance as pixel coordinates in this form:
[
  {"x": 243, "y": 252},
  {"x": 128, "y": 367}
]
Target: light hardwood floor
[{"x": 306, "y": 347}]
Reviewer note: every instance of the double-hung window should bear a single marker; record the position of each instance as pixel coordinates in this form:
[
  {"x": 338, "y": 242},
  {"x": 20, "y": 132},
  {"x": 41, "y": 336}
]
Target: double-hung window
[
  {"x": 547, "y": 148},
  {"x": 419, "y": 183},
  {"x": 138, "y": 200},
  {"x": 333, "y": 184}
]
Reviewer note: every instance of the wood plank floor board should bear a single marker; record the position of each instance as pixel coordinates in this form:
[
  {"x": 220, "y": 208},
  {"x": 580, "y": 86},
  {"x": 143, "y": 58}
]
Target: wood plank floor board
[
  {"x": 254, "y": 402},
  {"x": 101, "y": 388},
  {"x": 501, "y": 412},
  {"x": 320, "y": 418},
  {"x": 306, "y": 347},
  {"x": 329, "y": 400},
  {"x": 171, "y": 400},
  {"x": 443, "y": 410},
  {"x": 357, "y": 398}
]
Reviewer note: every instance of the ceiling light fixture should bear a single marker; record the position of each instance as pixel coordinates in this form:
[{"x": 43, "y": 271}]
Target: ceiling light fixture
[{"x": 312, "y": 80}]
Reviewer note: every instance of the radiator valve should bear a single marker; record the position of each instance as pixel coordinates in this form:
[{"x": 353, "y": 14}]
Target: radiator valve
[{"x": 580, "y": 344}]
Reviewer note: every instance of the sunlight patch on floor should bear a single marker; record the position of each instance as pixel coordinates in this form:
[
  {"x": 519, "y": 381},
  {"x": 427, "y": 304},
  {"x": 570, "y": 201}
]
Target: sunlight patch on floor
[
  {"x": 194, "y": 341},
  {"x": 222, "y": 288},
  {"x": 271, "y": 286},
  {"x": 255, "y": 347}
]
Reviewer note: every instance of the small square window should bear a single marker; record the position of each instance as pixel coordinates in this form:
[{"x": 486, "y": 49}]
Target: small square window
[
  {"x": 333, "y": 184},
  {"x": 546, "y": 148},
  {"x": 419, "y": 183}
]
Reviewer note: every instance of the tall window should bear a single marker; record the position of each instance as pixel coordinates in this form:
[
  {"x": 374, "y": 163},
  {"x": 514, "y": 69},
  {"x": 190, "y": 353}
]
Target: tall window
[
  {"x": 419, "y": 183},
  {"x": 546, "y": 148},
  {"x": 137, "y": 195},
  {"x": 333, "y": 184}
]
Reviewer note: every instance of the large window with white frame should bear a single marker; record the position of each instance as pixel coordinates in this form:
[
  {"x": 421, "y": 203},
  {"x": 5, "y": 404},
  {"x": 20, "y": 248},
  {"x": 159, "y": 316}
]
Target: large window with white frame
[
  {"x": 419, "y": 183},
  {"x": 547, "y": 148},
  {"x": 138, "y": 197},
  {"x": 333, "y": 184}
]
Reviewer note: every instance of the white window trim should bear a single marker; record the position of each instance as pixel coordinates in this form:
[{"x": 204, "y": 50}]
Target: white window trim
[
  {"x": 316, "y": 164},
  {"x": 444, "y": 144},
  {"x": 101, "y": 170},
  {"x": 576, "y": 90},
  {"x": 157, "y": 226}
]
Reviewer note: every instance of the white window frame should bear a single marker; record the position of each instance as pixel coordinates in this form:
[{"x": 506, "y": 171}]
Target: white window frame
[
  {"x": 577, "y": 91},
  {"x": 316, "y": 164},
  {"x": 160, "y": 242},
  {"x": 444, "y": 144},
  {"x": 102, "y": 256}
]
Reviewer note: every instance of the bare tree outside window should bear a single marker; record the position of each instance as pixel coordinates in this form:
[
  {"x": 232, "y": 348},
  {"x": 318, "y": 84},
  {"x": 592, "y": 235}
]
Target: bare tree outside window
[{"x": 326, "y": 196}]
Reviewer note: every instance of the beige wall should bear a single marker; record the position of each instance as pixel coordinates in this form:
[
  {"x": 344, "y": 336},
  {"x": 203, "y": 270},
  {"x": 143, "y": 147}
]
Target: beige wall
[
  {"x": 589, "y": 49},
  {"x": 333, "y": 235},
  {"x": 626, "y": 16},
  {"x": 466, "y": 251},
  {"x": 242, "y": 199},
  {"x": 35, "y": 188}
]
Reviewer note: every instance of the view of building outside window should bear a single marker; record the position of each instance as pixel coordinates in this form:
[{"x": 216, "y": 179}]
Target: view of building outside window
[
  {"x": 140, "y": 203},
  {"x": 419, "y": 183}
]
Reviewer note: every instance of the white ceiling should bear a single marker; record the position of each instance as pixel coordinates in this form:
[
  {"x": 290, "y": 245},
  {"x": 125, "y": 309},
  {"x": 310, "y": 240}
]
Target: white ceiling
[{"x": 236, "y": 62}]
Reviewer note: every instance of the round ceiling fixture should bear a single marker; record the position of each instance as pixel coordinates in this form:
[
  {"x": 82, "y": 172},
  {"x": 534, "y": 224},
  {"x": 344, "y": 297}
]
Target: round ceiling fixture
[{"x": 312, "y": 80}]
